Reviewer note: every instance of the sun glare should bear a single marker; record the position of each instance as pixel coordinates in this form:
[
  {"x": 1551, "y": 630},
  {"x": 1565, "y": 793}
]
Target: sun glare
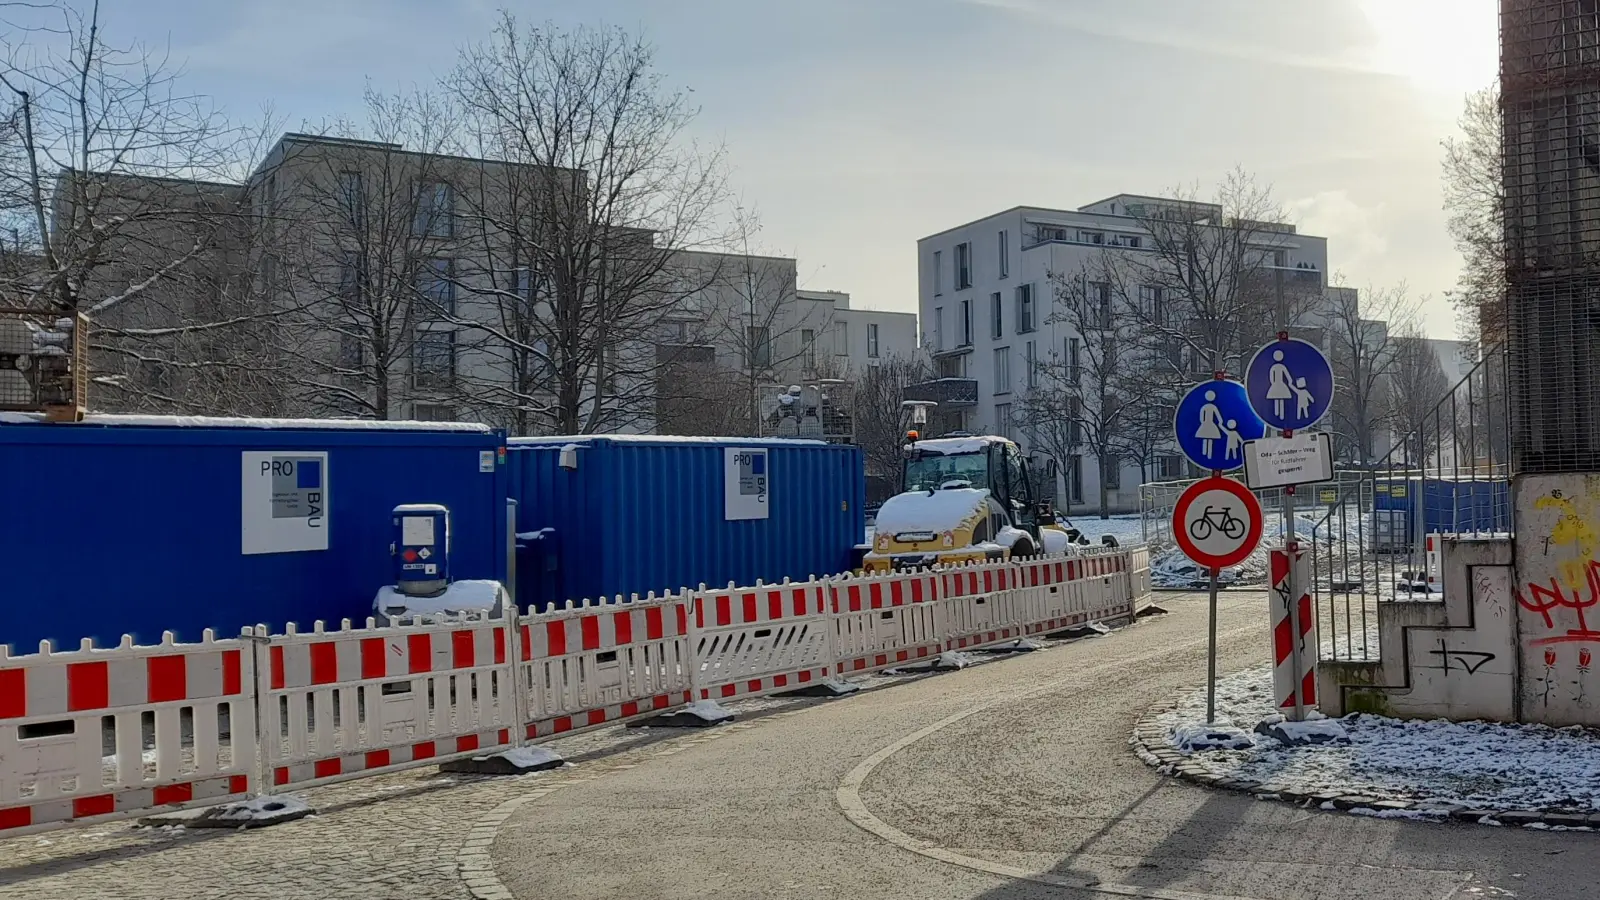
[{"x": 1447, "y": 46}]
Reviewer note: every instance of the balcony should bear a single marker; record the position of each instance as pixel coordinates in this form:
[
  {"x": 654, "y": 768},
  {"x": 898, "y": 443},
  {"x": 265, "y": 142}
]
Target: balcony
[{"x": 949, "y": 393}]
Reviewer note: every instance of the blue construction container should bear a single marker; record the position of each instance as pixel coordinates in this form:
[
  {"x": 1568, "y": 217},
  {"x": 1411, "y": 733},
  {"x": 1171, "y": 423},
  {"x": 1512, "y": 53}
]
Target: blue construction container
[
  {"x": 602, "y": 516},
  {"x": 140, "y": 525},
  {"x": 1449, "y": 506}
]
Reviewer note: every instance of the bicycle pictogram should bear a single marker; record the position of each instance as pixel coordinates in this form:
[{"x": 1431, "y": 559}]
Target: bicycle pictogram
[{"x": 1217, "y": 519}]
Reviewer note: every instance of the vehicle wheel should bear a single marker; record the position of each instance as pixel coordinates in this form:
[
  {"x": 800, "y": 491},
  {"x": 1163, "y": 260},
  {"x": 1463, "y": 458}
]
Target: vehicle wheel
[{"x": 1022, "y": 549}]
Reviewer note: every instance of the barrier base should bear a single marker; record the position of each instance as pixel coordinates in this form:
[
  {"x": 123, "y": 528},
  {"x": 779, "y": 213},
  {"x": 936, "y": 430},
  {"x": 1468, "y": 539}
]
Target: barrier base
[
  {"x": 1085, "y": 630},
  {"x": 699, "y": 714},
  {"x": 511, "y": 762},
  {"x": 1151, "y": 610},
  {"x": 257, "y": 813},
  {"x": 828, "y": 688}
]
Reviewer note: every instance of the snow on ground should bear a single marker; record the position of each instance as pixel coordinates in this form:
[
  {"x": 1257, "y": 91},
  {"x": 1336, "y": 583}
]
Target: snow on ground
[{"x": 1437, "y": 763}]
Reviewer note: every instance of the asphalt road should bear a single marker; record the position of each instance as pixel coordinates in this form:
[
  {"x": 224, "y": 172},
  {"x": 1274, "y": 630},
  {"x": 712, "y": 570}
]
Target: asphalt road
[{"x": 1007, "y": 781}]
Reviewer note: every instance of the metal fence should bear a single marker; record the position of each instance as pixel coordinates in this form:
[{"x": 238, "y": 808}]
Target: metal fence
[
  {"x": 1447, "y": 474},
  {"x": 1367, "y": 530}
]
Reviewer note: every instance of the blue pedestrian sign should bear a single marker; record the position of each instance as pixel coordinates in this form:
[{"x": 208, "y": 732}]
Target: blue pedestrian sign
[
  {"x": 1290, "y": 384},
  {"x": 1212, "y": 423}
]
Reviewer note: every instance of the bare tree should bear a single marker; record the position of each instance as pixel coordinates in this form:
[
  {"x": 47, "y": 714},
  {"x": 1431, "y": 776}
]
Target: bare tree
[
  {"x": 120, "y": 199},
  {"x": 601, "y": 196},
  {"x": 1207, "y": 287},
  {"x": 1474, "y": 197},
  {"x": 1418, "y": 382},
  {"x": 877, "y": 404},
  {"x": 1089, "y": 383},
  {"x": 361, "y": 227},
  {"x": 1363, "y": 348}
]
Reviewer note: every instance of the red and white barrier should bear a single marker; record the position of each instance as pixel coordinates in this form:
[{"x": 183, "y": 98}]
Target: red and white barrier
[
  {"x": 761, "y": 640},
  {"x": 1291, "y": 591},
  {"x": 882, "y": 621},
  {"x": 62, "y": 761},
  {"x": 603, "y": 663},
  {"x": 335, "y": 705}
]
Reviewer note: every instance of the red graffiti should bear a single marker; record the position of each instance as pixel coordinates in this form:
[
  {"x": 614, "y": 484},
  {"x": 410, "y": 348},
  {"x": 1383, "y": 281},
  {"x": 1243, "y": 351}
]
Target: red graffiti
[
  {"x": 1549, "y": 657},
  {"x": 1584, "y": 658},
  {"x": 1542, "y": 600}
]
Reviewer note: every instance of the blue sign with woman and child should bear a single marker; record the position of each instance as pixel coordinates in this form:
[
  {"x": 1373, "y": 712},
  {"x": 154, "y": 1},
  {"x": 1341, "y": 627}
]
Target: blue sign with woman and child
[
  {"x": 1213, "y": 421},
  {"x": 1290, "y": 384}
]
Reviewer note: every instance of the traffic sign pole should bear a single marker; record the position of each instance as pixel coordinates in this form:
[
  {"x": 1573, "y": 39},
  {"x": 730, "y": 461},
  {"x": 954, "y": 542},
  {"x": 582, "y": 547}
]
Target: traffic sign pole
[
  {"x": 1295, "y": 589},
  {"x": 1211, "y": 656}
]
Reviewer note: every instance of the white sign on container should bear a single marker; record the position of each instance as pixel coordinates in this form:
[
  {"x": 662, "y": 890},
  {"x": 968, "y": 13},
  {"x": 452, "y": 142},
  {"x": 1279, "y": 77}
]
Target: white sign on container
[
  {"x": 1303, "y": 458},
  {"x": 746, "y": 484},
  {"x": 283, "y": 501}
]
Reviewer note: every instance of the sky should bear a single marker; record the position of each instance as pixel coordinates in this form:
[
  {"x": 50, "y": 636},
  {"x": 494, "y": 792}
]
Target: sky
[{"x": 858, "y": 126}]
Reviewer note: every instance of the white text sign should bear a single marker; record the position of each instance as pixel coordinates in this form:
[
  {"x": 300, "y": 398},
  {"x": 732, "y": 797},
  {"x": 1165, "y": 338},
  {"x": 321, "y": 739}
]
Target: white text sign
[{"x": 1279, "y": 461}]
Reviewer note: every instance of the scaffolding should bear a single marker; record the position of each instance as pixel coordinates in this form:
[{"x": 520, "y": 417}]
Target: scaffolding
[{"x": 1550, "y": 103}]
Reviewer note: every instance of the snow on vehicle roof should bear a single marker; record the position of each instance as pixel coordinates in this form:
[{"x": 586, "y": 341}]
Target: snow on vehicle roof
[
  {"x": 581, "y": 439},
  {"x": 948, "y": 446},
  {"x": 135, "y": 421},
  {"x": 920, "y": 511}
]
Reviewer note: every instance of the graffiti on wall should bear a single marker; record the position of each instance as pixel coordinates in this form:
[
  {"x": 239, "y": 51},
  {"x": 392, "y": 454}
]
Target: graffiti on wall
[{"x": 1560, "y": 603}]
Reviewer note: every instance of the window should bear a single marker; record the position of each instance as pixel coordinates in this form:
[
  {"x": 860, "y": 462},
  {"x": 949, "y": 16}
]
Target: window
[
  {"x": 352, "y": 353},
  {"x": 613, "y": 364},
  {"x": 436, "y": 281},
  {"x": 1169, "y": 466},
  {"x": 1100, "y": 296},
  {"x": 953, "y": 367},
  {"x": 842, "y": 348},
  {"x": 435, "y": 210},
  {"x": 938, "y": 329},
  {"x": 1112, "y": 473},
  {"x": 872, "y": 340},
  {"x": 1131, "y": 241},
  {"x": 434, "y": 359},
  {"x": 1002, "y": 370},
  {"x": 525, "y": 283},
  {"x": 938, "y": 272},
  {"x": 1005, "y": 254},
  {"x": 1074, "y": 361},
  {"x": 758, "y": 347},
  {"x": 1074, "y": 421},
  {"x": 1091, "y": 237},
  {"x": 808, "y": 348},
  {"x": 1153, "y": 304},
  {"x": 1024, "y": 308},
  {"x": 352, "y": 279},
  {"x": 996, "y": 315},
  {"x": 1075, "y": 478},
  {"x": 963, "y": 266},
  {"x": 1002, "y": 419},
  {"x": 352, "y": 199},
  {"x": 1030, "y": 358},
  {"x": 432, "y": 412},
  {"x": 966, "y": 323}
]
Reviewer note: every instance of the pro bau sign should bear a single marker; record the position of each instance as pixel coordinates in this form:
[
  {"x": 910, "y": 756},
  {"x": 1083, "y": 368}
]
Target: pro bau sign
[{"x": 283, "y": 501}]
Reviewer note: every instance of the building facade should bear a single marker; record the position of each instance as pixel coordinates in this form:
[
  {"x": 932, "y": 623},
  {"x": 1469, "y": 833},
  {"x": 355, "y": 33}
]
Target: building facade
[{"x": 990, "y": 312}]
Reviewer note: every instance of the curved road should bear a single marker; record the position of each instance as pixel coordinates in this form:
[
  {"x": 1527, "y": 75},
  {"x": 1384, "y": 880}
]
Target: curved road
[{"x": 1008, "y": 781}]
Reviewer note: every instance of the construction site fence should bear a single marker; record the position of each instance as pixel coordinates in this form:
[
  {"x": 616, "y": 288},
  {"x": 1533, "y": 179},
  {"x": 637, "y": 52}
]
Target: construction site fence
[{"x": 104, "y": 733}]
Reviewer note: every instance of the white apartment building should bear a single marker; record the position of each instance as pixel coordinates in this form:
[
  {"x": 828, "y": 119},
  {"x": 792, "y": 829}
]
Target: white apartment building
[
  {"x": 987, "y": 305},
  {"x": 862, "y": 338}
]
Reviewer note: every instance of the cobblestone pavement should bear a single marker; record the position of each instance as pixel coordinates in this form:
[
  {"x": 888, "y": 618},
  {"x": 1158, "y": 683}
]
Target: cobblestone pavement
[{"x": 388, "y": 836}]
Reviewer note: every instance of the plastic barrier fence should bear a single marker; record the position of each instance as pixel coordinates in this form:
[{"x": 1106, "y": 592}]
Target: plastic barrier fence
[
  {"x": 761, "y": 640},
  {"x": 600, "y": 664},
  {"x": 334, "y": 705},
  {"x": 97, "y": 734},
  {"x": 882, "y": 621}
]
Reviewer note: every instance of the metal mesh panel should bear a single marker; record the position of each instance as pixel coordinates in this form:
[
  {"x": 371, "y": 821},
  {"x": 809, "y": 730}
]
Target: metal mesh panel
[{"x": 1550, "y": 101}]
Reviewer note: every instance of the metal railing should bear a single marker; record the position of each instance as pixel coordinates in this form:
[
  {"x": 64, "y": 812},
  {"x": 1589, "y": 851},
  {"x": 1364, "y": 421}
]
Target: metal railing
[{"x": 1446, "y": 474}]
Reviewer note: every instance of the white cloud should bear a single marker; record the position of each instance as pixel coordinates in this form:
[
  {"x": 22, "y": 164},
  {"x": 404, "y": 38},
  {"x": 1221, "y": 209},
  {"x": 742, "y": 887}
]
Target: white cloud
[{"x": 1355, "y": 233}]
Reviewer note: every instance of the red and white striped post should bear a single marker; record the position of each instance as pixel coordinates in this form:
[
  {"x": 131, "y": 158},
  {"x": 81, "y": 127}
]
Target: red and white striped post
[{"x": 1294, "y": 657}]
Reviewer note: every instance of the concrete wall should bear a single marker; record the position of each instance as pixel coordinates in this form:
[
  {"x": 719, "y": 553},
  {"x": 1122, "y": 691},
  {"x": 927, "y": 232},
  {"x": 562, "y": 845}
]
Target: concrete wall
[{"x": 1558, "y": 587}]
